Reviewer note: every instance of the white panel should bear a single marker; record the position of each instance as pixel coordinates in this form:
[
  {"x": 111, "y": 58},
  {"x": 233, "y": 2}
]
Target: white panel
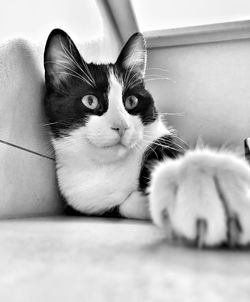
[
  {"x": 166, "y": 14},
  {"x": 209, "y": 84}
]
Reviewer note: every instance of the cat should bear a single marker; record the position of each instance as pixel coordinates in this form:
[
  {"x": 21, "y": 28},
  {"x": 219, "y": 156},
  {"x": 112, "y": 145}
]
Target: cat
[{"x": 116, "y": 157}]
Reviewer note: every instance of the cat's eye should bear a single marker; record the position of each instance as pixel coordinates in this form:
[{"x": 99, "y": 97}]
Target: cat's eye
[
  {"x": 131, "y": 102},
  {"x": 90, "y": 101}
]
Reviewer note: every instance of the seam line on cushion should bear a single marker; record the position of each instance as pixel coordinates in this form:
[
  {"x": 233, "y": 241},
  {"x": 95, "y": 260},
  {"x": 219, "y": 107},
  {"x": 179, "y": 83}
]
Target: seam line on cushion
[{"x": 25, "y": 149}]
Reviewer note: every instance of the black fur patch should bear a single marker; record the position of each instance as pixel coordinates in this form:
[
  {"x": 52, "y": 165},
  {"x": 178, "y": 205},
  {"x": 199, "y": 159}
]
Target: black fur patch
[
  {"x": 164, "y": 147},
  {"x": 65, "y": 109},
  {"x": 134, "y": 85},
  {"x": 68, "y": 79},
  {"x": 111, "y": 213}
]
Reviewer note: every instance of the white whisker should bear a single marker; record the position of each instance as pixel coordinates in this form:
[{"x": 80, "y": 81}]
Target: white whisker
[
  {"x": 149, "y": 138},
  {"x": 64, "y": 64},
  {"x": 157, "y": 68},
  {"x": 48, "y": 124},
  {"x": 157, "y": 79},
  {"x": 172, "y": 113},
  {"x": 72, "y": 59}
]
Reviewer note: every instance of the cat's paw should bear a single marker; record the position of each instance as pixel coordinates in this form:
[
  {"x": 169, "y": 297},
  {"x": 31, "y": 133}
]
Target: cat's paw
[{"x": 204, "y": 197}]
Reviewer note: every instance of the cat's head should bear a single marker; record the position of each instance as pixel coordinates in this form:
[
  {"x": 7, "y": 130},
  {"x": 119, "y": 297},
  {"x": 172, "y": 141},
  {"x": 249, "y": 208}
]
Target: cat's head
[{"x": 102, "y": 108}]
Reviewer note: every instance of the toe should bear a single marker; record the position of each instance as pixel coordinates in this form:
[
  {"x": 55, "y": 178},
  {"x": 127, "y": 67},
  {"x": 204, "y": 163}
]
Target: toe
[
  {"x": 234, "y": 230},
  {"x": 201, "y": 229}
]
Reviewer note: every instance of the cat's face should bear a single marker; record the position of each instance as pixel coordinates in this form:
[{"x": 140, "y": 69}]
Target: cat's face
[{"x": 101, "y": 109}]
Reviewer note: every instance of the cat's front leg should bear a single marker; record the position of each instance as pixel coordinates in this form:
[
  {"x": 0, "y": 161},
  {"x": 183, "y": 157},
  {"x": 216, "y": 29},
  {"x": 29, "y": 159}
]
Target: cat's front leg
[
  {"x": 135, "y": 206},
  {"x": 204, "y": 197}
]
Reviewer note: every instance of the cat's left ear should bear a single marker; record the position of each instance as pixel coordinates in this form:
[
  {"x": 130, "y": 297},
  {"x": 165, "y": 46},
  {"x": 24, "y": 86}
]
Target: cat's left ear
[
  {"x": 61, "y": 58},
  {"x": 134, "y": 54}
]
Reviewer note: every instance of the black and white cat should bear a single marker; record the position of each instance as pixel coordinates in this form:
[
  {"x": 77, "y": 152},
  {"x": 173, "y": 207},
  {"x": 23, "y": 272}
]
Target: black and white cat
[{"x": 114, "y": 155}]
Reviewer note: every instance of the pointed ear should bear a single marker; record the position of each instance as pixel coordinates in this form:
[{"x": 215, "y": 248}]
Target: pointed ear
[
  {"x": 134, "y": 55},
  {"x": 61, "y": 58}
]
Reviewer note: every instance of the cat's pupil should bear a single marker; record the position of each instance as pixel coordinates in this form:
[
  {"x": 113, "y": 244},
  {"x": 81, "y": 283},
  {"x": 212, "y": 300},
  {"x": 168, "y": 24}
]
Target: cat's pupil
[
  {"x": 90, "y": 100},
  {"x": 131, "y": 102}
]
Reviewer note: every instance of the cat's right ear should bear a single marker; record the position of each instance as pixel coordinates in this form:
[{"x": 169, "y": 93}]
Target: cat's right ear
[
  {"x": 61, "y": 58},
  {"x": 134, "y": 54}
]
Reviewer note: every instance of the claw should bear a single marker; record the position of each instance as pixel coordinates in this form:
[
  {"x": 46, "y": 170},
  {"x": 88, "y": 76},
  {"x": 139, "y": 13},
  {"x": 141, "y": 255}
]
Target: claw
[
  {"x": 234, "y": 229},
  {"x": 201, "y": 227},
  {"x": 247, "y": 149}
]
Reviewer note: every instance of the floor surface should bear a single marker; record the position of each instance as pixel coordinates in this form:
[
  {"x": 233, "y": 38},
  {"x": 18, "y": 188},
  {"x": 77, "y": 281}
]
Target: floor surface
[{"x": 59, "y": 259}]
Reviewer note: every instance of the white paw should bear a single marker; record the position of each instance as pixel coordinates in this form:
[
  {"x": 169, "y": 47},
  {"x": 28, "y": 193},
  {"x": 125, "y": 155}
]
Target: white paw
[{"x": 204, "y": 196}]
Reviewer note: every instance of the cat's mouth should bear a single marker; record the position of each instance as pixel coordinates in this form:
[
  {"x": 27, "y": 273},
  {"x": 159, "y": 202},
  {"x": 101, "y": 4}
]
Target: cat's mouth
[
  {"x": 110, "y": 145},
  {"x": 120, "y": 144}
]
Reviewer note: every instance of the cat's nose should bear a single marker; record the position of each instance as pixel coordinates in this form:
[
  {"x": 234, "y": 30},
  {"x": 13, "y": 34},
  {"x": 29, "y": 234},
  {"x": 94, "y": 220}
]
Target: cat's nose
[{"x": 120, "y": 130}]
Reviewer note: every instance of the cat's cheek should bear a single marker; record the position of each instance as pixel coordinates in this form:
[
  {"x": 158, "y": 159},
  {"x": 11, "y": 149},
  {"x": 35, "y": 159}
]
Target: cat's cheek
[
  {"x": 134, "y": 134},
  {"x": 98, "y": 134},
  {"x": 132, "y": 138}
]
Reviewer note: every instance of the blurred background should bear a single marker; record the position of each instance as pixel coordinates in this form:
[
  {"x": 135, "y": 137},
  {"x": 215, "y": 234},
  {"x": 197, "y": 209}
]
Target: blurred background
[{"x": 34, "y": 19}]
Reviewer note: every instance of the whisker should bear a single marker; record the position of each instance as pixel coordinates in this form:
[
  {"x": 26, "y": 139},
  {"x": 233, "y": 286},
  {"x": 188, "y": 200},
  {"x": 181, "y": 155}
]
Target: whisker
[
  {"x": 157, "y": 68},
  {"x": 166, "y": 146},
  {"x": 150, "y": 147},
  {"x": 65, "y": 64},
  {"x": 157, "y": 79},
  {"x": 131, "y": 68},
  {"x": 154, "y": 75},
  {"x": 178, "y": 138},
  {"x": 72, "y": 59},
  {"x": 134, "y": 83},
  {"x": 168, "y": 138},
  {"x": 165, "y": 140},
  {"x": 70, "y": 56},
  {"x": 48, "y": 124},
  {"x": 172, "y": 113},
  {"x": 85, "y": 65},
  {"x": 73, "y": 75},
  {"x": 131, "y": 82}
]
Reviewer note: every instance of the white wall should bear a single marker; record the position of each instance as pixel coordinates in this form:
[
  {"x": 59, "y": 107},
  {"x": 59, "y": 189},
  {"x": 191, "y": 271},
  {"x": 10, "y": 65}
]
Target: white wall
[
  {"x": 83, "y": 20},
  {"x": 209, "y": 84},
  {"x": 35, "y": 19},
  {"x": 168, "y": 14}
]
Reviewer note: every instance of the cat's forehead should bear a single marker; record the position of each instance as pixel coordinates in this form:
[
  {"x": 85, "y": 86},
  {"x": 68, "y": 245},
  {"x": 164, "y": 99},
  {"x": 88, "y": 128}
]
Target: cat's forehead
[
  {"x": 116, "y": 89},
  {"x": 100, "y": 74},
  {"x": 109, "y": 76}
]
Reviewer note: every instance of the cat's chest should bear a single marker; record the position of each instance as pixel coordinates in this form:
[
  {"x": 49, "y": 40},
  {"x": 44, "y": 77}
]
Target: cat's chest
[{"x": 93, "y": 188}]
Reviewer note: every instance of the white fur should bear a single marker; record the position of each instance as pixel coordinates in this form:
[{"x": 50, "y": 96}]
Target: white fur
[
  {"x": 136, "y": 206},
  {"x": 185, "y": 190},
  {"x": 96, "y": 154}
]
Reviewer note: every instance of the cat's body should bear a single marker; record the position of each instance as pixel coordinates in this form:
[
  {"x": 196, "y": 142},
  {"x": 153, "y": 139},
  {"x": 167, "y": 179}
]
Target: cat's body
[{"x": 114, "y": 152}]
